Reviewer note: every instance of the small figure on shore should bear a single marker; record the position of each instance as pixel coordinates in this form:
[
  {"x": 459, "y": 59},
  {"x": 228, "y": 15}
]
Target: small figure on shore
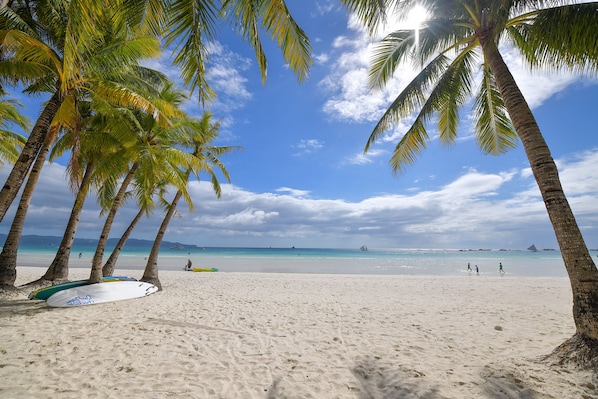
[
  {"x": 80, "y": 255},
  {"x": 468, "y": 268},
  {"x": 500, "y": 269},
  {"x": 477, "y": 271},
  {"x": 188, "y": 265}
]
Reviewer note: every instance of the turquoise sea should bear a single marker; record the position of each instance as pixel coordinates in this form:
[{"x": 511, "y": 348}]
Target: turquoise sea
[{"x": 542, "y": 263}]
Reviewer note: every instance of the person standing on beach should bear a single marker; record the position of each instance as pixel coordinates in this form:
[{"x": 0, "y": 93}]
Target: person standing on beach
[
  {"x": 500, "y": 269},
  {"x": 477, "y": 271},
  {"x": 468, "y": 268},
  {"x": 188, "y": 265}
]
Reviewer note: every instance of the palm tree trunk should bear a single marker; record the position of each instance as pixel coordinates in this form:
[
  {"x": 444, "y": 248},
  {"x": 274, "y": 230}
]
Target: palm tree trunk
[
  {"x": 28, "y": 155},
  {"x": 150, "y": 274},
  {"x": 110, "y": 265},
  {"x": 96, "y": 265},
  {"x": 59, "y": 268},
  {"x": 581, "y": 269},
  {"x": 8, "y": 257}
]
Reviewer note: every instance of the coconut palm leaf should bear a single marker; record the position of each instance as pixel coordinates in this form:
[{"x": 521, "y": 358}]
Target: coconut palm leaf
[{"x": 495, "y": 132}]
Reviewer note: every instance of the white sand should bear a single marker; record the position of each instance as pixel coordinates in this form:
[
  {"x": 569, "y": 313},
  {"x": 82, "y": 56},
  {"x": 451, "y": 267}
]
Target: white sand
[{"x": 251, "y": 335}]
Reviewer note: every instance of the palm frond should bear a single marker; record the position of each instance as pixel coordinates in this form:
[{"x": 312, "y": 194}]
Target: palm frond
[
  {"x": 564, "y": 37},
  {"x": 292, "y": 40},
  {"x": 410, "y": 99},
  {"x": 413, "y": 143},
  {"x": 148, "y": 16},
  {"x": 120, "y": 54},
  {"x": 373, "y": 13},
  {"x": 453, "y": 90},
  {"x": 494, "y": 131},
  {"x": 441, "y": 35},
  {"x": 244, "y": 15},
  {"x": 388, "y": 55},
  {"x": 191, "y": 28}
]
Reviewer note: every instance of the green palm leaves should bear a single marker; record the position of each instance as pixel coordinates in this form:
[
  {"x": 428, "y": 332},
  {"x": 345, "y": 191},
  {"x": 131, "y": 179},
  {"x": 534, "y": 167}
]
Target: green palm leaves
[
  {"x": 446, "y": 52},
  {"x": 249, "y": 17},
  {"x": 549, "y": 34}
]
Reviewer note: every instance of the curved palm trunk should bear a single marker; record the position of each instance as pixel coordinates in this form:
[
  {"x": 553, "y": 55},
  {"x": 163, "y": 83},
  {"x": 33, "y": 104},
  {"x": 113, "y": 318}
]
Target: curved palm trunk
[
  {"x": 28, "y": 155},
  {"x": 96, "y": 265},
  {"x": 581, "y": 269},
  {"x": 59, "y": 268},
  {"x": 109, "y": 266},
  {"x": 8, "y": 257},
  {"x": 150, "y": 274}
]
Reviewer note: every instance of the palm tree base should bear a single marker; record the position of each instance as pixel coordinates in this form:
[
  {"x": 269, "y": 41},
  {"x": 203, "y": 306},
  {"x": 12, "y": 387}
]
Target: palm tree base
[
  {"x": 578, "y": 350},
  {"x": 152, "y": 280},
  {"x": 11, "y": 292}
]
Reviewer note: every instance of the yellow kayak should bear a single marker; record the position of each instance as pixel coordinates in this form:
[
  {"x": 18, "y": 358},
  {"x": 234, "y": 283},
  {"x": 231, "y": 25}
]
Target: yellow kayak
[{"x": 205, "y": 269}]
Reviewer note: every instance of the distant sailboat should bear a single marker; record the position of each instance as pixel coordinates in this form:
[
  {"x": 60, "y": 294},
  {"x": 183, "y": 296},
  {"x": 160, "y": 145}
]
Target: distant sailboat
[
  {"x": 533, "y": 248},
  {"x": 364, "y": 248}
]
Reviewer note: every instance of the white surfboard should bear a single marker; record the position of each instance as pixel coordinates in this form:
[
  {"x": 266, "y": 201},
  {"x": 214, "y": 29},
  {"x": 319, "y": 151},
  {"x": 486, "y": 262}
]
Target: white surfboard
[{"x": 100, "y": 293}]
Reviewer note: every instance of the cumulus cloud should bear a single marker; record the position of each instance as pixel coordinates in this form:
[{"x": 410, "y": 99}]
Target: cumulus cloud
[{"x": 476, "y": 209}]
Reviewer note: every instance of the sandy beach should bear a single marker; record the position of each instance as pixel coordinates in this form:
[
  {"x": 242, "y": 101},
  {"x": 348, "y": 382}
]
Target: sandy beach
[{"x": 277, "y": 335}]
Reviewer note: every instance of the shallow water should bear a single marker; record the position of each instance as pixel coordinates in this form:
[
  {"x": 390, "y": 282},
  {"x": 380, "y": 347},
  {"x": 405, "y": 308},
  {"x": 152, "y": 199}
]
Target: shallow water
[{"x": 324, "y": 261}]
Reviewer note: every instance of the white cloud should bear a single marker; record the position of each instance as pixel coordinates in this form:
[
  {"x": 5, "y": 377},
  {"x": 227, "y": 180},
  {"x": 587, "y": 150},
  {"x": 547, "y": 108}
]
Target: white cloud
[
  {"x": 293, "y": 192},
  {"x": 476, "y": 209},
  {"x": 308, "y": 146},
  {"x": 363, "y": 159},
  {"x": 351, "y": 100}
]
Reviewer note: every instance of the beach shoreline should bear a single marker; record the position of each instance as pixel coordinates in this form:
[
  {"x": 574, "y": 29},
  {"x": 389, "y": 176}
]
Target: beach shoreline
[{"x": 286, "y": 335}]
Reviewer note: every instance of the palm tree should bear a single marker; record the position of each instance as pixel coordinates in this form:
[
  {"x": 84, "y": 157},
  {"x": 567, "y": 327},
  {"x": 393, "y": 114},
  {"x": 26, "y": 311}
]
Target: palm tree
[
  {"x": 145, "y": 199},
  {"x": 187, "y": 25},
  {"x": 99, "y": 155},
  {"x": 63, "y": 48},
  {"x": 110, "y": 265},
  {"x": 8, "y": 256},
  {"x": 104, "y": 71},
  {"x": 152, "y": 153},
  {"x": 548, "y": 34},
  {"x": 204, "y": 157}
]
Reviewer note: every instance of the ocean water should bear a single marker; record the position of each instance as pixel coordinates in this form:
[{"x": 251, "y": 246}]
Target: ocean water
[{"x": 324, "y": 261}]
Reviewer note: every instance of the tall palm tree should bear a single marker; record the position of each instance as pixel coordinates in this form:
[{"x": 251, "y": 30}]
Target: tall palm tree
[
  {"x": 152, "y": 153},
  {"x": 204, "y": 157},
  {"x": 145, "y": 199},
  {"x": 458, "y": 35},
  {"x": 99, "y": 155},
  {"x": 8, "y": 256},
  {"x": 110, "y": 265}
]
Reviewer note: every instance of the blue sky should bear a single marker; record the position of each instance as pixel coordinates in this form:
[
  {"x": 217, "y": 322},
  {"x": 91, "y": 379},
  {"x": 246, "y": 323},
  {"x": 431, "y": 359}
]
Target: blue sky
[{"x": 303, "y": 180}]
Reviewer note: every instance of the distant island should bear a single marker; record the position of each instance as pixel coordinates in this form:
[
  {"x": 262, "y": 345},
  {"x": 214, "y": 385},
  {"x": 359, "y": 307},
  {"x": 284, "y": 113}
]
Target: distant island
[{"x": 131, "y": 242}]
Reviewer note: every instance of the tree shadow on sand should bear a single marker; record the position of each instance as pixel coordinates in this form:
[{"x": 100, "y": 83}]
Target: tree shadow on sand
[
  {"x": 378, "y": 381},
  {"x": 25, "y": 307},
  {"x": 506, "y": 384}
]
